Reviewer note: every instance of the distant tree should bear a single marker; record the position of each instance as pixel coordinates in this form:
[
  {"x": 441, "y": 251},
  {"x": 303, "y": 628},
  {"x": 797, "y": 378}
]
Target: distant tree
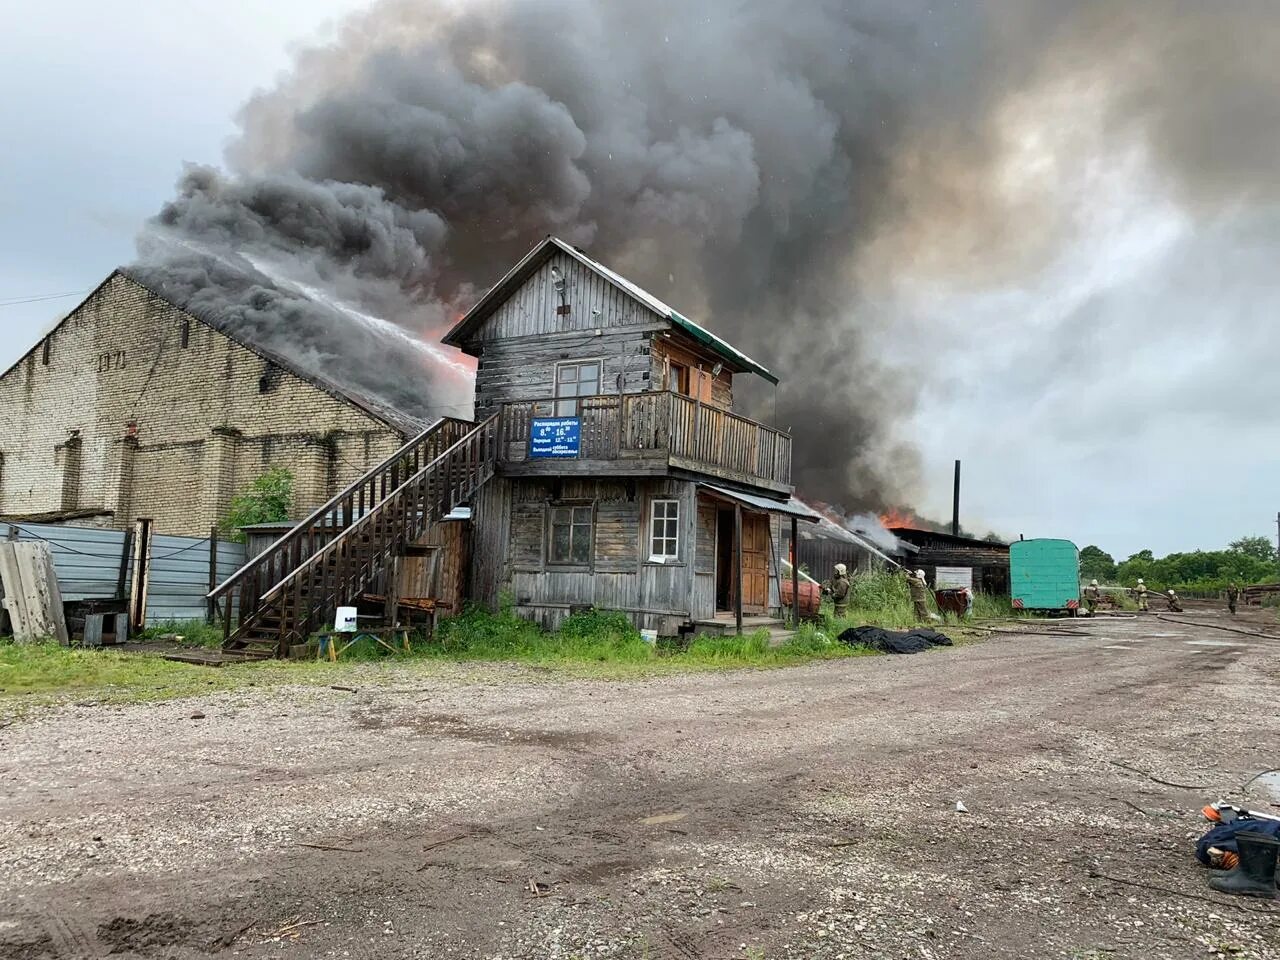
[
  {"x": 1096, "y": 564},
  {"x": 1259, "y": 548},
  {"x": 267, "y": 499}
]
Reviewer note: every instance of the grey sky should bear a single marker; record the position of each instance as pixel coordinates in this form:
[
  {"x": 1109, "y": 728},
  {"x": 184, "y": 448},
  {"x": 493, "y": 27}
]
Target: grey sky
[{"x": 1101, "y": 358}]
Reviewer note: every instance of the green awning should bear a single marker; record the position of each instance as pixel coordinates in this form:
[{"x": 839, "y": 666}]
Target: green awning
[{"x": 726, "y": 350}]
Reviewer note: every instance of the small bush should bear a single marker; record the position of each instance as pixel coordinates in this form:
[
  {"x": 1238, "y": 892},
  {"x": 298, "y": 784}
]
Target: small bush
[{"x": 268, "y": 499}]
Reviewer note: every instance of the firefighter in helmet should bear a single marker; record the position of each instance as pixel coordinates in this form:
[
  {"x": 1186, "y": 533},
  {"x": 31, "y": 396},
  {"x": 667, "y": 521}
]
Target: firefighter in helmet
[
  {"x": 837, "y": 588},
  {"x": 1092, "y": 596},
  {"x": 919, "y": 588}
]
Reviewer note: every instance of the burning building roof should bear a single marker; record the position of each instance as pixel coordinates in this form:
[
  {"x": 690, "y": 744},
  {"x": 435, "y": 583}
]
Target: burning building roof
[{"x": 371, "y": 363}]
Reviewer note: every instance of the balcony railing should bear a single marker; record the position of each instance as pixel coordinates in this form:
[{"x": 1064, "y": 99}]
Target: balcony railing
[{"x": 683, "y": 432}]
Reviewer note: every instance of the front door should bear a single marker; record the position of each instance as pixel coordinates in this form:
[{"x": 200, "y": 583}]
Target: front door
[{"x": 755, "y": 563}]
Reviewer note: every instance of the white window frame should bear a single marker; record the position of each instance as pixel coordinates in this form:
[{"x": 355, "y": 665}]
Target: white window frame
[
  {"x": 664, "y": 548},
  {"x": 574, "y": 398}
]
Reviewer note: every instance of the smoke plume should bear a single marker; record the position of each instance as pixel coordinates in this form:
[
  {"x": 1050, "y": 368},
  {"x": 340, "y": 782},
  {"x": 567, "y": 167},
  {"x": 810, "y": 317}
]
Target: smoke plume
[{"x": 781, "y": 172}]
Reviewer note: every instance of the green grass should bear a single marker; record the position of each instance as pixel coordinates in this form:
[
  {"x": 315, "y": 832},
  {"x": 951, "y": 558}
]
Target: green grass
[
  {"x": 191, "y": 633},
  {"x": 596, "y": 644}
]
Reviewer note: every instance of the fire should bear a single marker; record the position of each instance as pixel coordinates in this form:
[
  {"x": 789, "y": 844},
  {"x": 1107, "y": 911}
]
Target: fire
[{"x": 897, "y": 517}]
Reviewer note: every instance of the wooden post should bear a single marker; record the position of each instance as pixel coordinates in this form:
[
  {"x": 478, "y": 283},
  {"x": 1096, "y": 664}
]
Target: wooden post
[
  {"x": 212, "y": 613},
  {"x": 391, "y": 611},
  {"x": 795, "y": 573},
  {"x": 141, "y": 574},
  {"x": 737, "y": 566},
  {"x": 126, "y": 555}
]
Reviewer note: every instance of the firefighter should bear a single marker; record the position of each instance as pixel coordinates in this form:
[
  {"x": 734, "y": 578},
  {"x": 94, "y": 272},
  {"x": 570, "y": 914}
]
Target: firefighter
[
  {"x": 837, "y": 588},
  {"x": 919, "y": 594},
  {"x": 1172, "y": 598},
  {"x": 1092, "y": 595},
  {"x": 1141, "y": 591},
  {"x": 1233, "y": 596}
]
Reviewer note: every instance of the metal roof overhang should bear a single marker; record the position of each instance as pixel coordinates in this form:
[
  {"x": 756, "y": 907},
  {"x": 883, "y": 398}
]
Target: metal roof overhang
[{"x": 790, "y": 507}]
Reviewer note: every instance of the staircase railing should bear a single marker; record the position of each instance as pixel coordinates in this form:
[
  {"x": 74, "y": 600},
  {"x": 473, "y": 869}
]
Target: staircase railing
[
  {"x": 239, "y": 597},
  {"x": 350, "y": 563}
]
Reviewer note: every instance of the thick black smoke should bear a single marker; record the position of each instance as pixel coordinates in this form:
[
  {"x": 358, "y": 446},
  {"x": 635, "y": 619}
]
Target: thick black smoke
[{"x": 766, "y": 167}]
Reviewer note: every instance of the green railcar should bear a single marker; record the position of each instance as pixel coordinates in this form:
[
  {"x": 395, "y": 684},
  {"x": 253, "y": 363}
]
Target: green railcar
[{"x": 1044, "y": 575}]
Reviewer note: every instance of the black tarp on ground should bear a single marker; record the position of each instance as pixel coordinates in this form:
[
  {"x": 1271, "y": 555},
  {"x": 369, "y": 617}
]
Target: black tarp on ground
[{"x": 892, "y": 641}]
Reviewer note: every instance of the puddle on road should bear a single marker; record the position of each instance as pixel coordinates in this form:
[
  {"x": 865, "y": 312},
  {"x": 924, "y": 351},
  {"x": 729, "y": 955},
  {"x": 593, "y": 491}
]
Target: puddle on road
[{"x": 1271, "y": 783}]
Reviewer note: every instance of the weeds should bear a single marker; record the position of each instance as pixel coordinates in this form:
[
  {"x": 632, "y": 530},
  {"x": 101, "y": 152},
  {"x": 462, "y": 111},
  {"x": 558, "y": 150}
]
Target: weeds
[{"x": 192, "y": 633}]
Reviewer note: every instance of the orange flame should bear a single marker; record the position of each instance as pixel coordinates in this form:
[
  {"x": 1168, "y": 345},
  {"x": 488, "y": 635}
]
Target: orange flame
[{"x": 897, "y": 517}]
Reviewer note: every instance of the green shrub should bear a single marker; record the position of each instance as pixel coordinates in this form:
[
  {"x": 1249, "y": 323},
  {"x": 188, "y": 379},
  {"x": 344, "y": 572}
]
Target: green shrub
[{"x": 267, "y": 499}]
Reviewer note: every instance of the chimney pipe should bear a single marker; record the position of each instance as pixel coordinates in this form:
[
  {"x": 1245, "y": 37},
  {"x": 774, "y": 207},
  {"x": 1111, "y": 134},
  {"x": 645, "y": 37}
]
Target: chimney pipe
[{"x": 955, "y": 505}]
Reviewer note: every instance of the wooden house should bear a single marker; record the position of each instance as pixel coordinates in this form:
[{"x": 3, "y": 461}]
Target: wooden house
[
  {"x": 605, "y": 468},
  {"x": 624, "y": 479}
]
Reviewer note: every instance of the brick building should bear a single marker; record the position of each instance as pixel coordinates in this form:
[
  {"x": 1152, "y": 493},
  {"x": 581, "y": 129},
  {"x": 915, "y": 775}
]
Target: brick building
[{"x": 133, "y": 407}]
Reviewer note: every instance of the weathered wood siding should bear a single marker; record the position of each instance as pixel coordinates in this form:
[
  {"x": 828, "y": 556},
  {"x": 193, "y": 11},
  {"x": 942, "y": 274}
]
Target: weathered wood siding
[
  {"x": 594, "y": 303},
  {"x": 522, "y": 370},
  {"x": 990, "y": 561},
  {"x": 618, "y": 575},
  {"x": 436, "y": 567},
  {"x": 520, "y": 345},
  {"x": 675, "y": 347},
  {"x": 490, "y": 539}
]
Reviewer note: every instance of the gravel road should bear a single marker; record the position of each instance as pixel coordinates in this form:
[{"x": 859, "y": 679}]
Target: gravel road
[{"x": 809, "y": 812}]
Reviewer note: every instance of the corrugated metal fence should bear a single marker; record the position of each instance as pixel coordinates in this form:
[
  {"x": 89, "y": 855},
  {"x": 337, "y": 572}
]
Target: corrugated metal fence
[{"x": 87, "y": 562}]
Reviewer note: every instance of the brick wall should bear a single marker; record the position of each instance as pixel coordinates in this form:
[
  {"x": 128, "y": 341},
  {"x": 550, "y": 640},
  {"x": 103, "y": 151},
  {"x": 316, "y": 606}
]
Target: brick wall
[{"x": 204, "y": 427}]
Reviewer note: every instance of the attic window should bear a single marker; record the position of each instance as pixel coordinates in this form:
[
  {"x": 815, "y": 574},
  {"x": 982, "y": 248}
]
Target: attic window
[
  {"x": 186, "y": 332},
  {"x": 44, "y": 356},
  {"x": 270, "y": 378}
]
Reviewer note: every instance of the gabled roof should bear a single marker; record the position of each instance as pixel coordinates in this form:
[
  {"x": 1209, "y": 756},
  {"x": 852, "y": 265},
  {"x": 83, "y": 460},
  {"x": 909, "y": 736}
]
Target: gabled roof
[
  {"x": 380, "y": 409},
  {"x": 540, "y": 254}
]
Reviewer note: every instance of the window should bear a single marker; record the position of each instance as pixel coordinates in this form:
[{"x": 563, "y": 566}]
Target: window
[
  {"x": 570, "y": 534},
  {"x": 575, "y": 380},
  {"x": 664, "y": 531},
  {"x": 678, "y": 378},
  {"x": 186, "y": 332}
]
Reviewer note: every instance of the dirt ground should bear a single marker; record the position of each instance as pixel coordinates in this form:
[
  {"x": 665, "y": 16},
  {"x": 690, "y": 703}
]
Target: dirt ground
[{"x": 800, "y": 813}]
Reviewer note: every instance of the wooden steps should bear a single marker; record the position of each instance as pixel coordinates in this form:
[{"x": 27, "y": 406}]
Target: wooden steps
[{"x": 349, "y": 547}]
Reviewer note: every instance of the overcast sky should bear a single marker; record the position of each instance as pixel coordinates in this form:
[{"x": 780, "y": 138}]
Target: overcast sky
[{"x": 1123, "y": 392}]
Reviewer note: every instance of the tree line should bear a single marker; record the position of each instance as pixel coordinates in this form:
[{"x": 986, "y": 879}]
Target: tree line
[{"x": 1247, "y": 560}]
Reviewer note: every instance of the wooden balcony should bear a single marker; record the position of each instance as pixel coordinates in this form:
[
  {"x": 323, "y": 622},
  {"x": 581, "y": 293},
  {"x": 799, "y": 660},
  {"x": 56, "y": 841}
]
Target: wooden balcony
[{"x": 651, "y": 434}]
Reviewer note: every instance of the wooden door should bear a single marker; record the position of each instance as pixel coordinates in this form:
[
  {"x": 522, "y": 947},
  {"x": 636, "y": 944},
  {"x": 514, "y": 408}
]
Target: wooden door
[{"x": 755, "y": 563}]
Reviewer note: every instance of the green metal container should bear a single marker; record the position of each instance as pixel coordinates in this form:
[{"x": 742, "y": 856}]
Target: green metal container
[{"x": 1044, "y": 575}]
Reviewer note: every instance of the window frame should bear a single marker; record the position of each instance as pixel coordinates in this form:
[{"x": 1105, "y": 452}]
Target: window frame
[
  {"x": 576, "y": 397},
  {"x": 679, "y": 378},
  {"x": 573, "y": 506},
  {"x": 664, "y": 558}
]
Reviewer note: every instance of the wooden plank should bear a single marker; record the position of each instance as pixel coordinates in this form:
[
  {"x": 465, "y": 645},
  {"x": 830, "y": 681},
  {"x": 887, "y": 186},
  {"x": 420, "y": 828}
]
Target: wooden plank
[
  {"x": 737, "y": 567},
  {"x": 31, "y": 593}
]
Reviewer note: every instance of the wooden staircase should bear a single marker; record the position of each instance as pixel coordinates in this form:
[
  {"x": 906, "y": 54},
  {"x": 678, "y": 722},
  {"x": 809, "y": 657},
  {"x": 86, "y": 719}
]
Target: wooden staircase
[{"x": 347, "y": 547}]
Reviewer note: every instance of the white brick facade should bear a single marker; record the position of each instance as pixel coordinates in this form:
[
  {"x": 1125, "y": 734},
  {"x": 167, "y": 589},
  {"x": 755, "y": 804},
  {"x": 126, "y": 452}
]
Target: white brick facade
[{"x": 134, "y": 406}]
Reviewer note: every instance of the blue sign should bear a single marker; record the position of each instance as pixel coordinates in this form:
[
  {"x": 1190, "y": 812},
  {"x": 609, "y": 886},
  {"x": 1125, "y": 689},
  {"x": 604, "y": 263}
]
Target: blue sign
[{"x": 555, "y": 437}]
